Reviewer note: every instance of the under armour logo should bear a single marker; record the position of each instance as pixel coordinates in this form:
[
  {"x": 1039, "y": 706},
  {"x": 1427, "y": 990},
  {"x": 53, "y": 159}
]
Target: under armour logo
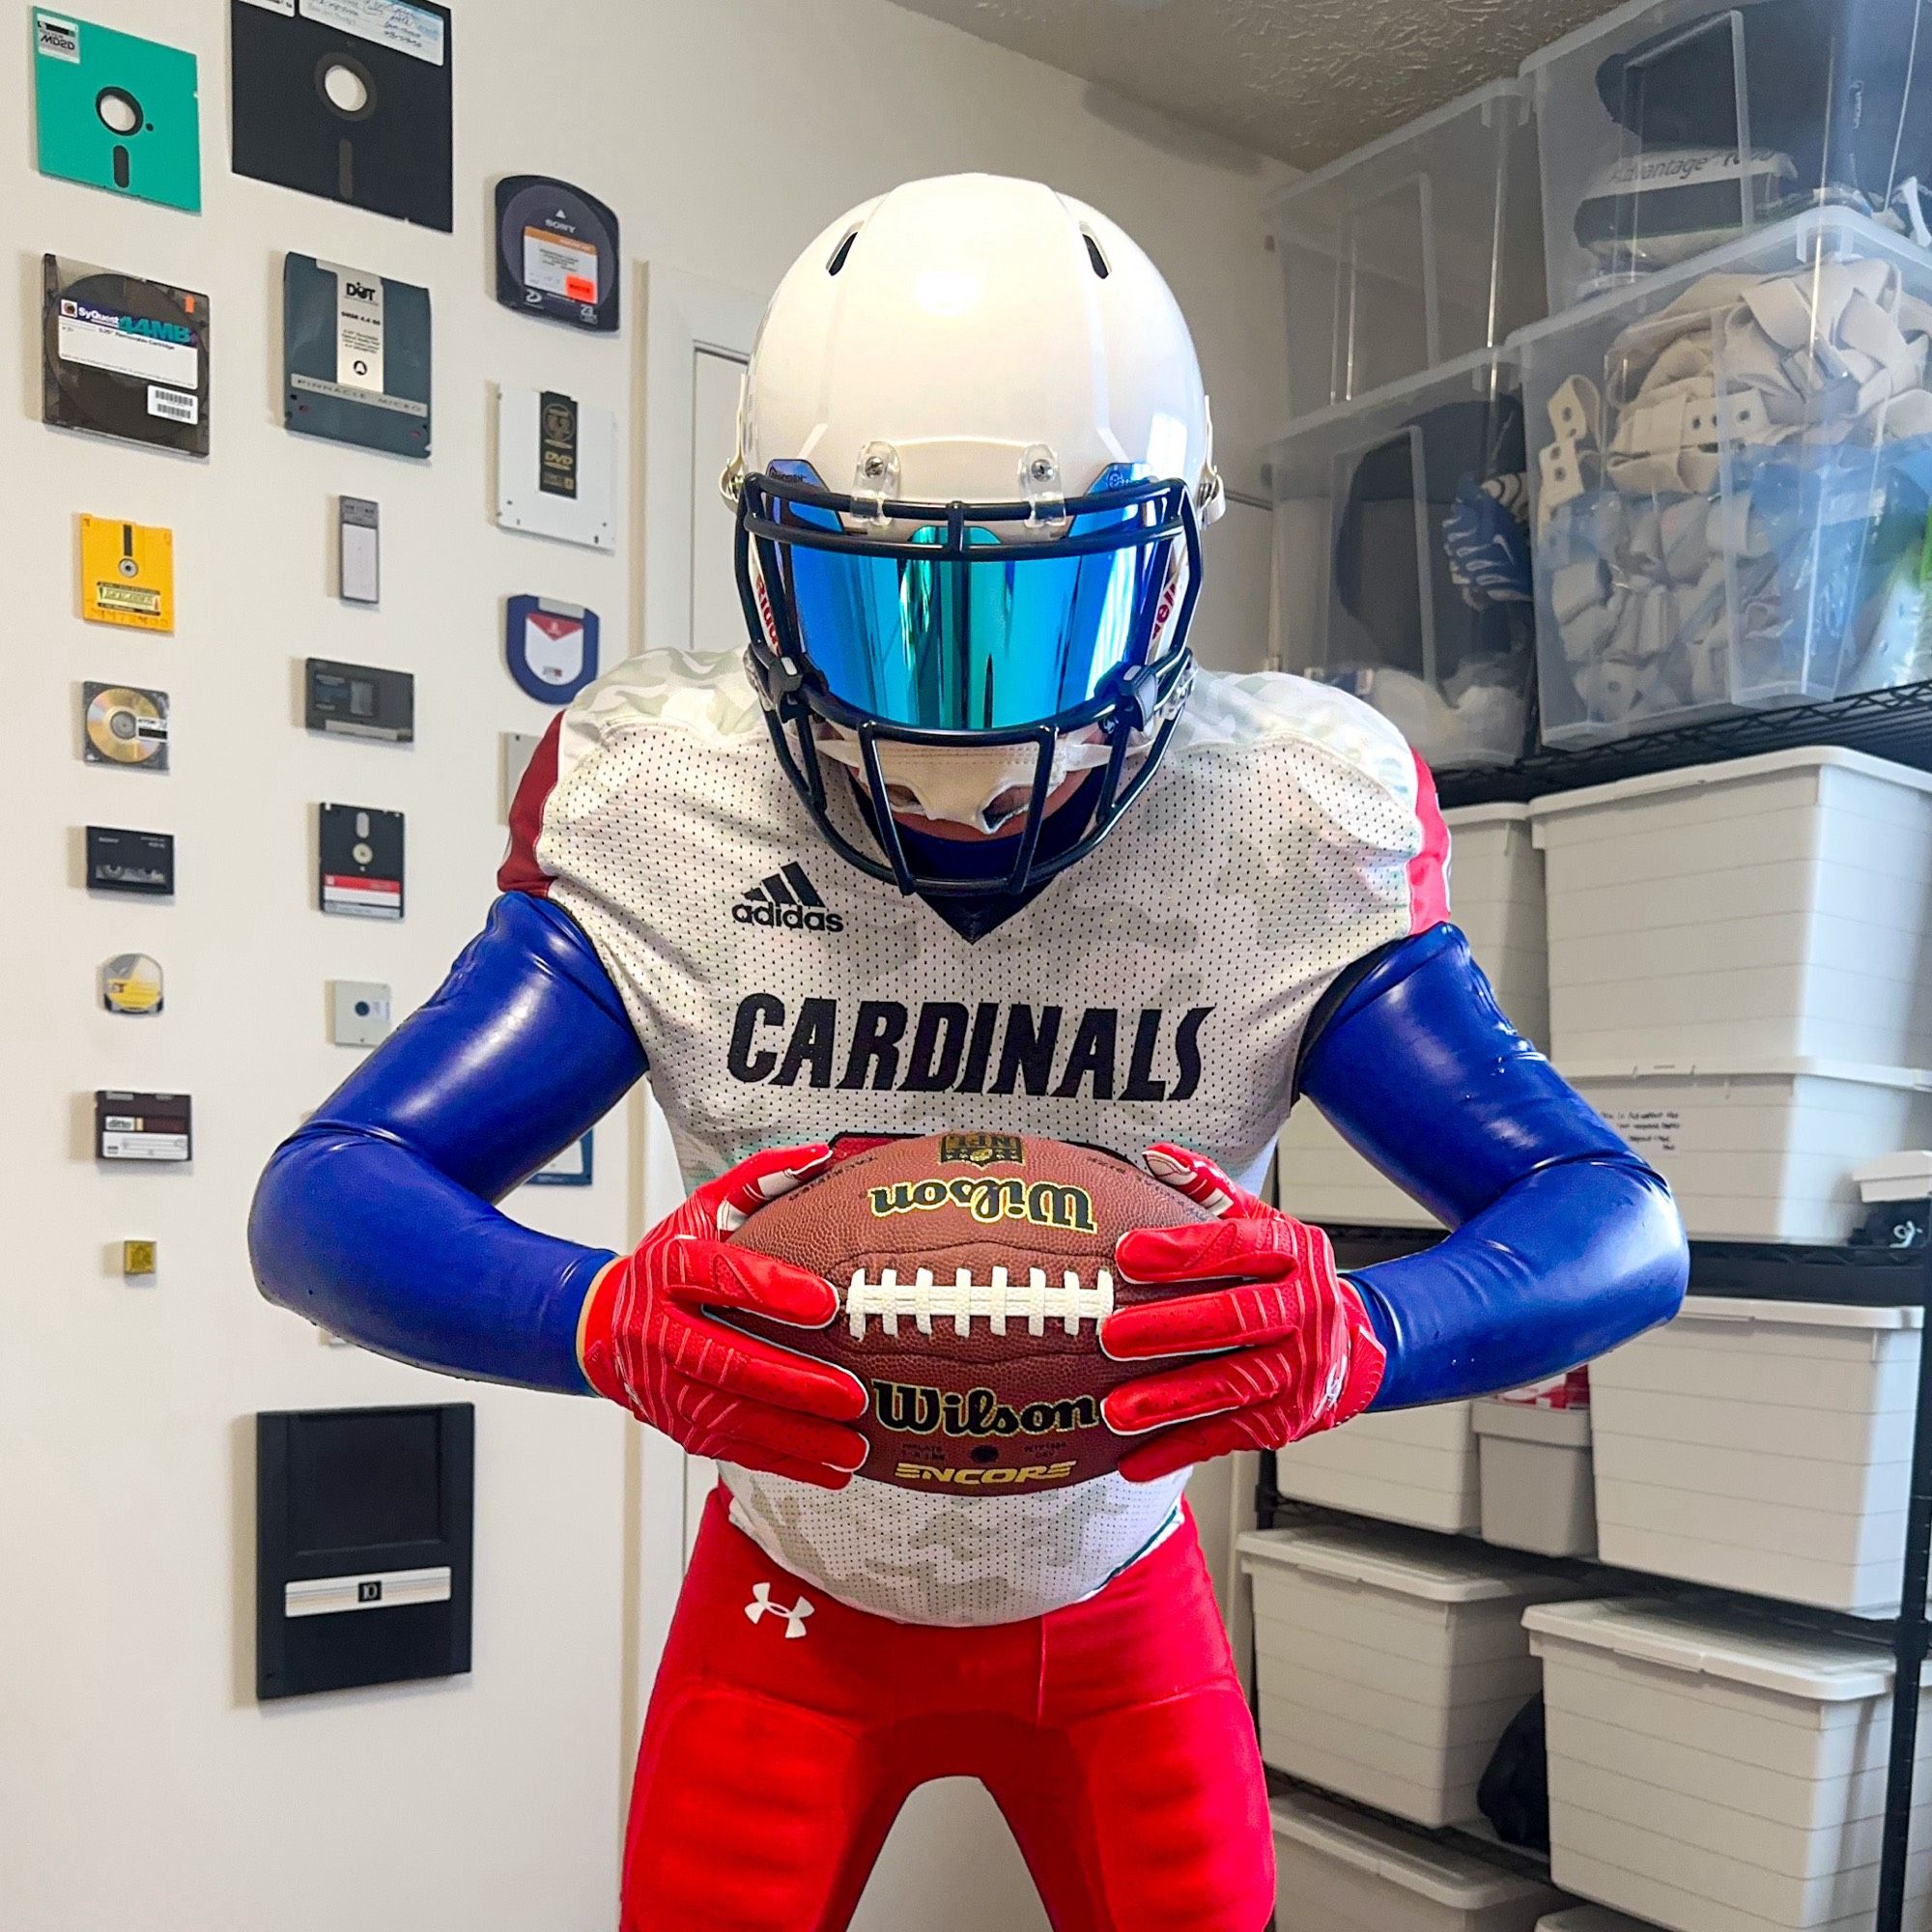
[{"x": 794, "y": 1614}]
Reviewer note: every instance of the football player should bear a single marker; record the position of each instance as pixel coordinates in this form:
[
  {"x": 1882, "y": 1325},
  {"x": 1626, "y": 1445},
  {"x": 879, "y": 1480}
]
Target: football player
[{"x": 963, "y": 842}]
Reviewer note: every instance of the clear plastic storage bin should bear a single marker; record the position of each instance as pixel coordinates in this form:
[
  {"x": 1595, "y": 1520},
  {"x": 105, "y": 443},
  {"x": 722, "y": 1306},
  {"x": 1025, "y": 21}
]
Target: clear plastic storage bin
[
  {"x": 1675, "y": 125},
  {"x": 1402, "y": 545},
  {"x": 1731, "y": 466},
  {"x": 1412, "y": 251}
]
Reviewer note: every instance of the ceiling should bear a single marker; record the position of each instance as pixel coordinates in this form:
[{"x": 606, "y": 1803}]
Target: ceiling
[{"x": 1303, "y": 80}]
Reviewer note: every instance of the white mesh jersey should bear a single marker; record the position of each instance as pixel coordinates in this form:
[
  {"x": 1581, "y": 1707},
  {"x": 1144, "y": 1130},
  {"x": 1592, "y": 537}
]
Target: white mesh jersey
[{"x": 1155, "y": 990}]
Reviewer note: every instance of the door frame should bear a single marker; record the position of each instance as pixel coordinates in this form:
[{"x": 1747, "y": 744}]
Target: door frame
[{"x": 685, "y": 315}]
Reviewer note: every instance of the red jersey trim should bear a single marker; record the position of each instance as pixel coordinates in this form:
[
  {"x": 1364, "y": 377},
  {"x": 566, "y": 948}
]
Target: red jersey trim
[
  {"x": 520, "y": 872},
  {"x": 1428, "y": 869}
]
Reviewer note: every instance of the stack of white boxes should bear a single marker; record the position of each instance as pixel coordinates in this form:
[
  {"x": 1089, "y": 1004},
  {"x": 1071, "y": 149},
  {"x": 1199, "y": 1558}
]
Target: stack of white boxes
[
  {"x": 1740, "y": 978},
  {"x": 1716, "y": 1774},
  {"x": 1722, "y": 418},
  {"x": 1388, "y": 1666}
]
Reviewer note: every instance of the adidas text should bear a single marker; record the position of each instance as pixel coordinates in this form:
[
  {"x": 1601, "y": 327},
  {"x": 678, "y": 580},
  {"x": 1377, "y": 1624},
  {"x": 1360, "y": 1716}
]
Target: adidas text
[{"x": 794, "y": 917}]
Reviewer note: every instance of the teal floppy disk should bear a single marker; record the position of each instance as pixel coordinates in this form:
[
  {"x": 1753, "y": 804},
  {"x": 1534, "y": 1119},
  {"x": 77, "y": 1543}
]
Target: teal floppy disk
[{"x": 116, "y": 112}]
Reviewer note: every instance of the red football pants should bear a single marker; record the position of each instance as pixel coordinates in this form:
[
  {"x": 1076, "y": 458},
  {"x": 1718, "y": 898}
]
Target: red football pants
[{"x": 781, "y": 1742}]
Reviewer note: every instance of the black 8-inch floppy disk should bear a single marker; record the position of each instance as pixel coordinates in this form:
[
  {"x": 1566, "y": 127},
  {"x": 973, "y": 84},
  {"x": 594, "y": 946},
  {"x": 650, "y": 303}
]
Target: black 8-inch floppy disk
[
  {"x": 349, "y": 100},
  {"x": 556, "y": 253}
]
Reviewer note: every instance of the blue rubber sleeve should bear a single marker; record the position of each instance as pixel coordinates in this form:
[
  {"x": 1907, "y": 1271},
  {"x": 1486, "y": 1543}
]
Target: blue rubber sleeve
[
  {"x": 374, "y": 1217},
  {"x": 1564, "y": 1243}
]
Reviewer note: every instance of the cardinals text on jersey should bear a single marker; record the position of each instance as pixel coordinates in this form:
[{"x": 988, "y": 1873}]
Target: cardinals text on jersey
[{"x": 1155, "y": 991}]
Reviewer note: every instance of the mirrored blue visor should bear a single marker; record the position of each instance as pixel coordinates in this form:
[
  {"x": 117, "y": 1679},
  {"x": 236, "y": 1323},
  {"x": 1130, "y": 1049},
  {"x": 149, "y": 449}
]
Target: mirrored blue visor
[{"x": 968, "y": 623}]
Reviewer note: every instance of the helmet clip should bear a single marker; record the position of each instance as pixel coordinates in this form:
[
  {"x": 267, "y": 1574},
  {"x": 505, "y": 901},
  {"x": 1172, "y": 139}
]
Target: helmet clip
[
  {"x": 874, "y": 480},
  {"x": 1040, "y": 486}
]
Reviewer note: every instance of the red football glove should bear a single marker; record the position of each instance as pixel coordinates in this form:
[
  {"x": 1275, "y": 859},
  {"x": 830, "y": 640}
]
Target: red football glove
[
  {"x": 1300, "y": 1354},
  {"x": 649, "y": 1342}
]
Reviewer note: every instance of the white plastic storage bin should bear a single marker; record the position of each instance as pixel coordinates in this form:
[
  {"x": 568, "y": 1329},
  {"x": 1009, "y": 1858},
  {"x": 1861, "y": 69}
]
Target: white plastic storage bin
[
  {"x": 1767, "y": 1155},
  {"x": 1339, "y": 1871},
  {"x": 1730, "y": 463},
  {"x": 1496, "y": 898},
  {"x": 1592, "y": 1918},
  {"x": 1538, "y": 1491},
  {"x": 1412, "y": 1465},
  {"x": 1388, "y": 1665},
  {"x": 1715, "y": 1775},
  {"x": 1417, "y": 249},
  {"x": 1771, "y": 909},
  {"x": 1676, "y": 124},
  {"x": 1762, "y": 1446},
  {"x": 1402, "y": 548}
]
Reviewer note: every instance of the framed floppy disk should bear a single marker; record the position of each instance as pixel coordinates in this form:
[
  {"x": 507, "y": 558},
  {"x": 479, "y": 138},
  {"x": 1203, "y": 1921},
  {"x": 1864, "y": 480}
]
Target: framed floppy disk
[
  {"x": 574, "y": 1166},
  {"x": 514, "y": 751},
  {"x": 359, "y": 701},
  {"x": 355, "y": 357},
  {"x": 349, "y": 100},
  {"x": 123, "y": 724},
  {"x": 127, "y": 573},
  {"x": 131, "y": 983},
  {"x": 556, "y": 253},
  {"x": 115, "y": 111},
  {"x": 358, "y": 550},
  {"x": 364, "y": 1546},
  {"x": 360, "y": 862},
  {"x": 556, "y": 461},
  {"x": 123, "y": 357},
  {"x": 550, "y": 647},
  {"x": 123, "y": 861},
  {"x": 142, "y": 1126}
]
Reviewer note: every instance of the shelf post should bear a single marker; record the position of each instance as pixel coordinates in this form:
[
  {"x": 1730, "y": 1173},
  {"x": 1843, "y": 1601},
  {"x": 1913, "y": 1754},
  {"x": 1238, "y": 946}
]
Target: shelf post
[{"x": 1909, "y": 1637}]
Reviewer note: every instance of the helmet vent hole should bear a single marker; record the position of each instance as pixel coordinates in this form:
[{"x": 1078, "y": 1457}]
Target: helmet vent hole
[
  {"x": 840, "y": 253},
  {"x": 1094, "y": 255}
]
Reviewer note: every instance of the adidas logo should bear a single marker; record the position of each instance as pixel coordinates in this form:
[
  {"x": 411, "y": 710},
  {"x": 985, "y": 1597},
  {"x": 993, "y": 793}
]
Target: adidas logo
[{"x": 786, "y": 898}]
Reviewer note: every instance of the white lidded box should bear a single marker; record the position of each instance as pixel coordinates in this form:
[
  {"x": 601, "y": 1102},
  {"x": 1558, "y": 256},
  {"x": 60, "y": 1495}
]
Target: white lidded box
[
  {"x": 1728, "y": 461},
  {"x": 1402, "y": 558},
  {"x": 1407, "y": 1466},
  {"x": 1591, "y": 1918},
  {"x": 1339, "y": 1871},
  {"x": 1768, "y": 909},
  {"x": 1495, "y": 880},
  {"x": 1414, "y": 250},
  {"x": 1677, "y": 124},
  {"x": 1719, "y": 1775},
  {"x": 1765, "y": 1155},
  {"x": 1762, "y": 1446},
  {"x": 1387, "y": 1665},
  {"x": 1538, "y": 1490}
]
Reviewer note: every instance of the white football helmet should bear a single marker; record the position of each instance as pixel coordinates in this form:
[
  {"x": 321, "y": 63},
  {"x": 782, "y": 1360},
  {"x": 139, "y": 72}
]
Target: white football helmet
[{"x": 974, "y": 457}]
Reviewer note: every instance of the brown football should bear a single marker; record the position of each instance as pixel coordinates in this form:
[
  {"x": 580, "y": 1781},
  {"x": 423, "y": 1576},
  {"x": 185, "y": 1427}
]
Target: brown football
[{"x": 972, "y": 1270}]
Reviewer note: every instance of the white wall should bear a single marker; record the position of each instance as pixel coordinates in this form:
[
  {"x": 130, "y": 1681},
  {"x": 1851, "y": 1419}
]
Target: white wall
[{"x": 139, "y": 1783}]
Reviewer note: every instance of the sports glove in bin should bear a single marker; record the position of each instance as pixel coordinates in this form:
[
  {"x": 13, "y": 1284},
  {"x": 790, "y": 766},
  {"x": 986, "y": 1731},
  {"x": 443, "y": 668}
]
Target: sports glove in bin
[{"x": 1402, "y": 529}]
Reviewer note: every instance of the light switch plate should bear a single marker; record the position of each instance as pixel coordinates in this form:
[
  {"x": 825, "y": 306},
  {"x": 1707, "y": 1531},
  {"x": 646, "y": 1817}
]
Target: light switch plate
[{"x": 358, "y": 1013}]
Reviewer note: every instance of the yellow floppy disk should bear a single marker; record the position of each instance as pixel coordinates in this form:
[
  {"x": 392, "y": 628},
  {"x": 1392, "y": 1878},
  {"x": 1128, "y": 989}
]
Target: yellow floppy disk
[{"x": 127, "y": 573}]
